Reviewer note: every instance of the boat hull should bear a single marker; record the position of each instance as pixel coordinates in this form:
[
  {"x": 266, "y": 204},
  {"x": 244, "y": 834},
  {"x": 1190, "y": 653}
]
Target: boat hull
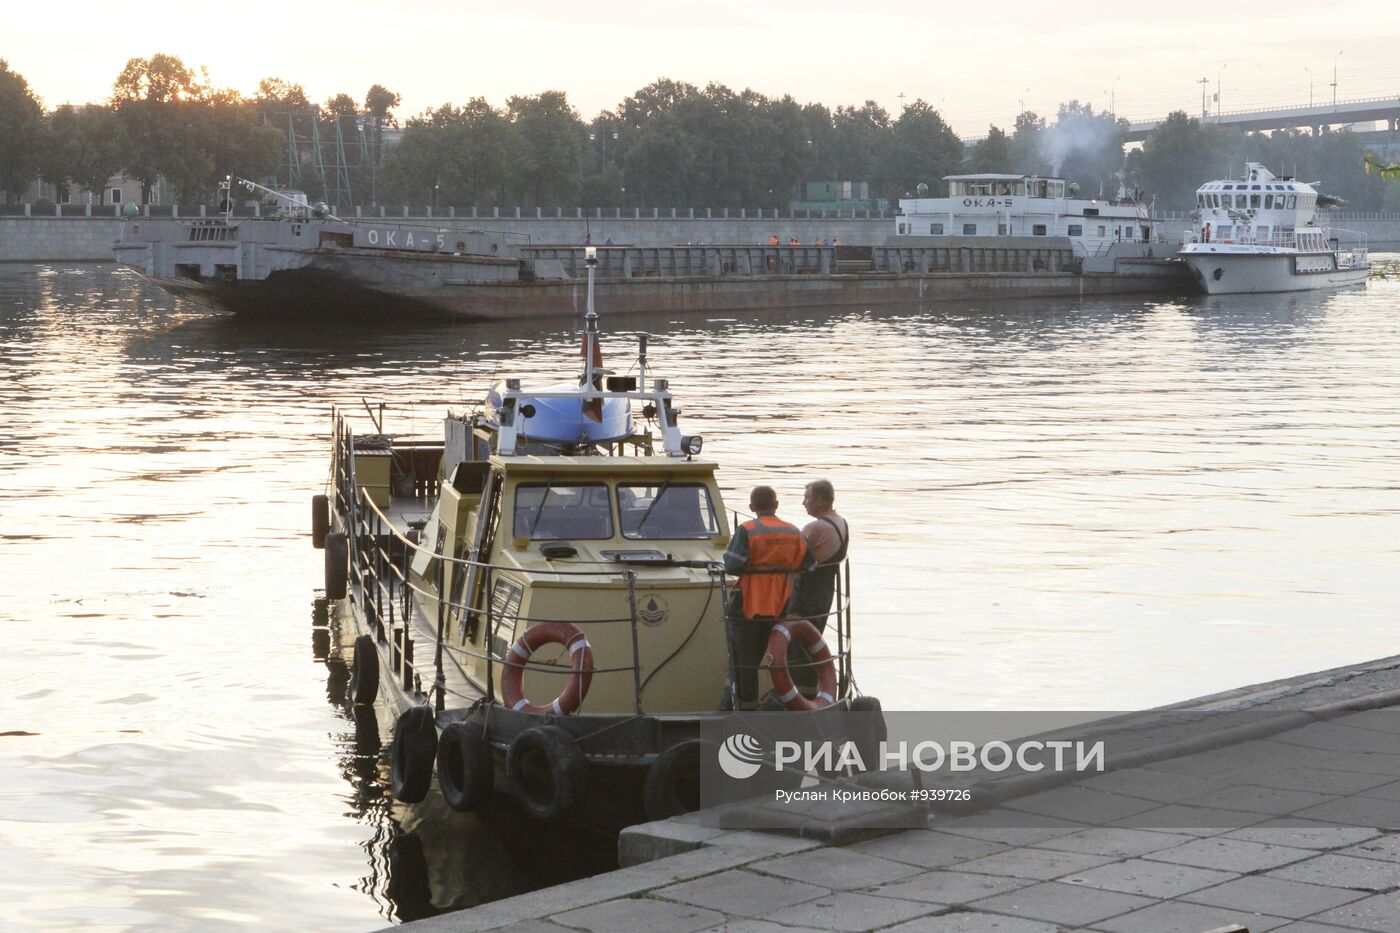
[
  {"x": 309, "y": 293},
  {"x": 1229, "y": 273}
]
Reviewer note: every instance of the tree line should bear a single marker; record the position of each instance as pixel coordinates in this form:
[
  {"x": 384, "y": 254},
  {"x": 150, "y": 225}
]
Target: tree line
[{"x": 669, "y": 144}]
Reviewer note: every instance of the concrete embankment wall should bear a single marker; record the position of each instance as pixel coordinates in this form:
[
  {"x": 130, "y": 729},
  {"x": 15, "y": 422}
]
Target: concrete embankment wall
[
  {"x": 58, "y": 239},
  {"x": 86, "y": 239},
  {"x": 89, "y": 239}
]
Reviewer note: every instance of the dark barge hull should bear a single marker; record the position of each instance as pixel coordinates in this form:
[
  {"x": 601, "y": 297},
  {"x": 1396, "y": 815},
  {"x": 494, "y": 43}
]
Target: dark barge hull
[{"x": 311, "y": 293}]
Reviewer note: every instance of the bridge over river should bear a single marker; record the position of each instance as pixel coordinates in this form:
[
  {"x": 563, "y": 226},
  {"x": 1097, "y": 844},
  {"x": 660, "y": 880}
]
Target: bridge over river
[{"x": 1315, "y": 117}]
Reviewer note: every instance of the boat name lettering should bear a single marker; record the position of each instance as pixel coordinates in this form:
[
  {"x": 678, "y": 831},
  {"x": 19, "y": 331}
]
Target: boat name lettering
[
  {"x": 390, "y": 238},
  {"x": 986, "y": 202}
]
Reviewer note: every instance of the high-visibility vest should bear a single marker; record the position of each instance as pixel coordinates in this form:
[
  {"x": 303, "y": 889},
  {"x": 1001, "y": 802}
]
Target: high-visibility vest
[{"x": 775, "y": 547}]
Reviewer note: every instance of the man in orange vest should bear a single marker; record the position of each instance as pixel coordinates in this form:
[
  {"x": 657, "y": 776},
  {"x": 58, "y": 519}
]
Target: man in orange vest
[{"x": 766, "y": 553}]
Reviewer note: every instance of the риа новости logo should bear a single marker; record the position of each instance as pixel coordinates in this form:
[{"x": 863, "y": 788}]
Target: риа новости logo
[{"x": 740, "y": 756}]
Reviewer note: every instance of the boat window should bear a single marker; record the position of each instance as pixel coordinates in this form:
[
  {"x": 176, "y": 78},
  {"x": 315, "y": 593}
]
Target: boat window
[
  {"x": 666, "y": 510},
  {"x": 1003, "y": 188},
  {"x": 1001, "y": 229},
  {"x": 1225, "y": 232},
  {"x": 1292, "y": 201},
  {"x": 935, "y": 229},
  {"x": 1021, "y": 188},
  {"x": 1038, "y": 230},
  {"x": 1076, "y": 229},
  {"x": 969, "y": 229},
  {"x": 1268, "y": 202},
  {"x": 554, "y": 511},
  {"x": 1254, "y": 200},
  {"x": 903, "y": 229},
  {"x": 1103, "y": 230},
  {"x": 981, "y": 189}
]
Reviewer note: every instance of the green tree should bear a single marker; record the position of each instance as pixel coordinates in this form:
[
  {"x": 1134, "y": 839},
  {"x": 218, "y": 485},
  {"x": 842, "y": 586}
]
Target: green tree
[
  {"x": 919, "y": 148},
  {"x": 379, "y": 105},
  {"x": 21, "y": 133},
  {"x": 99, "y": 151},
  {"x": 58, "y": 149},
  {"x": 548, "y": 143},
  {"x": 1026, "y": 151},
  {"x": 152, "y": 97},
  {"x": 993, "y": 153},
  {"x": 856, "y": 132},
  {"x": 1178, "y": 156}
]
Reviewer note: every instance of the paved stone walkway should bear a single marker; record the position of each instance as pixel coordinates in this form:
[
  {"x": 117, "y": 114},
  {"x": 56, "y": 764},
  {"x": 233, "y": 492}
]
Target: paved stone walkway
[{"x": 1295, "y": 832}]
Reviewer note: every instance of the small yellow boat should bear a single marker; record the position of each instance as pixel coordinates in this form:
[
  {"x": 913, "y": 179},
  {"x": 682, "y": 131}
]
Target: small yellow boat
[{"x": 541, "y": 596}]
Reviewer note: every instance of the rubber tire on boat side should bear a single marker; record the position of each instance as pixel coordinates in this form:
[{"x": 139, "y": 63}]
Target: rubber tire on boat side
[
  {"x": 411, "y": 755},
  {"x": 320, "y": 520},
  {"x": 337, "y": 564},
  {"x": 548, "y": 773},
  {"x": 869, "y": 727},
  {"x": 466, "y": 770},
  {"x": 672, "y": 784},
  {"x": 364, "y": 672}
]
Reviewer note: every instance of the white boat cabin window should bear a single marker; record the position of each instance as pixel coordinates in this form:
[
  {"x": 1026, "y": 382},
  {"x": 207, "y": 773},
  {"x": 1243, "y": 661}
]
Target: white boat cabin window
[
  {"x": 1076, "y": 230},
  {"x": 675, "y": 510},
  {"x": 903, "y": 229},
  {"x": 1225, "y": 232},
  {"x": 1103, "y": 230},
  {"x": 969, "y": 229},
  {"x": 1038, "y": 230},
  {"x": 935, "y": 229},
  {"x": 1292, "y": 201},
  {"x": 1001, "y": 229},
  {"x": 559, "y": 511}
]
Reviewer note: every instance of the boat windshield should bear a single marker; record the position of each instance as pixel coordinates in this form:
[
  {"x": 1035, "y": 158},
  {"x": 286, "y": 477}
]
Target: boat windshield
[
  {"x": 667, "y": 510},
  {"x": 554, "y": 511}
]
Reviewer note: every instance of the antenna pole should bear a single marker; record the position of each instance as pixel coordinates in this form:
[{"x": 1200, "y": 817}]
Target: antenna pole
[{"x": 590, "y": 318}]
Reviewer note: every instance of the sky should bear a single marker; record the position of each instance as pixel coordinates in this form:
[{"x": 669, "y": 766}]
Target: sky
[{"x": 978, "y": 66}]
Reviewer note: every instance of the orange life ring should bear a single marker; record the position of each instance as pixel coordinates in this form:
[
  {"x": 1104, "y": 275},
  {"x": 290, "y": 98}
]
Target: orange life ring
[
  {"x": 776, "y": 662},
  {"x": 535, "y": 637}
]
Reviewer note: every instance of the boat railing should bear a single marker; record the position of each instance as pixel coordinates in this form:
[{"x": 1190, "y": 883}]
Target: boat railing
[{"x": 381, "y": 555}]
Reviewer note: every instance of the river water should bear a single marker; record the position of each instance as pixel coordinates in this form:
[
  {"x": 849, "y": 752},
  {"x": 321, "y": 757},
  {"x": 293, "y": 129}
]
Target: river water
[{"x": 1106, "y": 504}]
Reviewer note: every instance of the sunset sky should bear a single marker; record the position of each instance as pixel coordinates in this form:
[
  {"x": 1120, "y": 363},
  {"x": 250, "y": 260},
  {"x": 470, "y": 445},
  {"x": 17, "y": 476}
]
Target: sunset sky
[{"x": 975, "y": 67}]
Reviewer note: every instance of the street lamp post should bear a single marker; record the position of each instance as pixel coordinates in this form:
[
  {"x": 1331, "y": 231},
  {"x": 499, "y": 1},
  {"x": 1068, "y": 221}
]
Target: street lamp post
[
  {"x": 1310, "y": 85},
  {"x": 1113, "y": 96},
  {"x": 1219, "y": 102},
  {"x": 1022, "y": 101},
  {"x": 1334, "y": 79}
]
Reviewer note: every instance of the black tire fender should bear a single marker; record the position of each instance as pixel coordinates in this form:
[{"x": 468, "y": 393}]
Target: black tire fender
[
  {"x": 411, "y": 755},
  {"x": 320, "y": 520},
  {"x": 466, "y": 768},
  {"x": 548, "y": 772},
  {"x": 337, "y": 565},
  {"x": 672, "y": 784},
  {"x": 364, "y": 672},
  {"x": 869, "y": 727}
]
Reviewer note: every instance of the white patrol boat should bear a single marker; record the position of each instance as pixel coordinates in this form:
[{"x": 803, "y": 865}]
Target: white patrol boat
[
  {"x": 1259, "y": 233},
  {"x": 541, "y": 597},
  {"x": 996, "y": 205}
]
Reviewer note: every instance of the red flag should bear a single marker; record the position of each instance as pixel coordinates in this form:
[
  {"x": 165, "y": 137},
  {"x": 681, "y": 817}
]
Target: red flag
[{"x": 593, "y": 408}]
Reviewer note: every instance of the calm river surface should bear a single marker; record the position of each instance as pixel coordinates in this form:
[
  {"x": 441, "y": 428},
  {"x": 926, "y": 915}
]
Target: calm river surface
[{"x": 1108, "y": 504}]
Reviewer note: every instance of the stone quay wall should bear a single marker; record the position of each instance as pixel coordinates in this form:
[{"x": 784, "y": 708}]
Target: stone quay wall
[{"x": 46, "y": 238}]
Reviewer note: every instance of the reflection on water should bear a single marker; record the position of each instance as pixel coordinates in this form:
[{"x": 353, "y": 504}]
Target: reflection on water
[{"x": 1057, "y": 504}]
